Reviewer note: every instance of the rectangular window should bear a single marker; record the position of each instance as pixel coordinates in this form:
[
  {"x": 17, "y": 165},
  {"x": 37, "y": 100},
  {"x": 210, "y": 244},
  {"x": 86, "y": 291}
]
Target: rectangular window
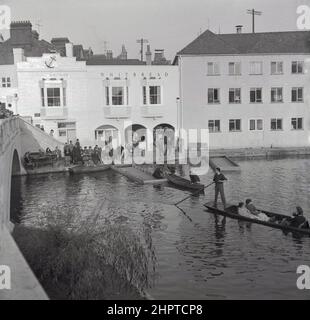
[
  {"x": 256, "y": 67},
  {"x": 151, "y": 95},
  {"x": 256, "y": 95},
  {"x": 297, "y": 67},
  {"x": 213, "y": 69},
  {"x": 214, "y": 125},
  {"x": 67, "y": 129},
  {"x": 213, "y": 95},
  {"x": 117, "y": 96},
  {"x": 256, "y": 124},
  {"x": 276, "y": 67},
  {"x": 42, "y": 97},
  {"x": 6, "y": 82},
  {"x": 276, "y": 94},
  {"x": 107, "y": 96},
  {"x": 235, "y": 95},
  {"x": 276, "y": 124},
  {"x": 234, "y": 68},
  {"x": 64, "y": 96},
  {"x": 155, "y": 96},
  {"x": 297, "y": 95},
  {"x": 53, "y": 97},
  {"x": 234, "y": 125},
  {"x": 297, "y": 123},
  {"x": 144, "y": 95}
]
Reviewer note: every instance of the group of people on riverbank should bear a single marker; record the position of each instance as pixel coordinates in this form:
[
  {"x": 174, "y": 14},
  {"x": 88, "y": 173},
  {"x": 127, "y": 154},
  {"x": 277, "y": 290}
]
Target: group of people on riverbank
[{"x": 75, "y": 154}]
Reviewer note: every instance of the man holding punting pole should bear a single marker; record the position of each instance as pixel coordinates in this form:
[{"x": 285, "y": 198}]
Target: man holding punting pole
[{"x": 219, "y": 179}]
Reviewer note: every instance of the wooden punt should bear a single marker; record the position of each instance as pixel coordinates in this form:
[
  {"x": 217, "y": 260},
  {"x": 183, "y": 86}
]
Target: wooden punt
[
  {"x": 184, "y": 183},
  {"x": 232, "y": 210}
]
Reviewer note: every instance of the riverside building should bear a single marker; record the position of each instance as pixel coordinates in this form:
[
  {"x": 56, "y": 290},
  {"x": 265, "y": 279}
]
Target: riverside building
[{"x": 250, "y": 89}]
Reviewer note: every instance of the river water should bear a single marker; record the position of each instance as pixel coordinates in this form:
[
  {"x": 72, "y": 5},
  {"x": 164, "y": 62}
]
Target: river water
[{"x": 198, "y": 256}]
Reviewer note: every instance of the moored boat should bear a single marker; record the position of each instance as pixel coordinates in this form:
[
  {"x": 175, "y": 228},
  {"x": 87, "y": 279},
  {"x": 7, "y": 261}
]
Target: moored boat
[
  {"x": 88, "y": 169},
  {"x": 184, "y": 183},
  {"x": 232, "y": 212}
]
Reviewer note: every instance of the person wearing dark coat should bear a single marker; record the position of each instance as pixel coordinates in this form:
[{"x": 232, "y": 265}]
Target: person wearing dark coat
[{"x": 219, "y": 180}]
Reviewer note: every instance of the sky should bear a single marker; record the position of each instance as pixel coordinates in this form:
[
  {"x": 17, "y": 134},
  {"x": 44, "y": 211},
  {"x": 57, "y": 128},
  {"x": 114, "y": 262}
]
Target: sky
[{"x": 167, "y": 24}]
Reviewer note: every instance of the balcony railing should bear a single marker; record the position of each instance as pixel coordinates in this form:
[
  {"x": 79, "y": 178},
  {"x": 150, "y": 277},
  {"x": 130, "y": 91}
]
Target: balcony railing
[
  {"x": 54, "y": 113},
  {"x": 152, "y": 111},
  {"x": 117, "y": 112}
]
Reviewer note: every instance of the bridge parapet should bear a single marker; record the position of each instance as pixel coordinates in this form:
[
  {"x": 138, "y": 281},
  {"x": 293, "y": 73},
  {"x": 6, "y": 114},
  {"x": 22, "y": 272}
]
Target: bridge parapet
[{"x": 9, "y": 129}]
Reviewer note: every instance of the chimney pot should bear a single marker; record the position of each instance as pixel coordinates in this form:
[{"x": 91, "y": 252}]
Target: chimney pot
[{"x": 239, "y": 28}]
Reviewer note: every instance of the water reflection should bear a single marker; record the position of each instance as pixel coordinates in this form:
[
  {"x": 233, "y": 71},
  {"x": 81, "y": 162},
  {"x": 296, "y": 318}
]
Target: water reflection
[{"x": 197, "y": 254}]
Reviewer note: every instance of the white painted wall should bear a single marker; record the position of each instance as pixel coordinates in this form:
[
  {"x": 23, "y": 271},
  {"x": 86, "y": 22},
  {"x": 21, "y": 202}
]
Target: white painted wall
[
  {"x": 86, "y": 95},
  {"x": 194, "y": 84}
]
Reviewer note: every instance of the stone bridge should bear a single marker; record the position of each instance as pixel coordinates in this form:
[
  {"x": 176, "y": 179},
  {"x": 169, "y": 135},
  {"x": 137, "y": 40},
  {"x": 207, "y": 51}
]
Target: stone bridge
[{"x": 16, "y": 138}]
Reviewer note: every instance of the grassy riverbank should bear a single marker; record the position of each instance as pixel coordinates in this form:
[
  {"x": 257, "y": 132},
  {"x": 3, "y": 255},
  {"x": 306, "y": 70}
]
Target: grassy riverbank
[{"x": 86, "y": 260}]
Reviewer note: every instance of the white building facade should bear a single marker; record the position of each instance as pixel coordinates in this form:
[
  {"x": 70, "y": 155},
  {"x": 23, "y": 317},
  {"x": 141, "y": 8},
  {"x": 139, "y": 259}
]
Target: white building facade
[
  {"x": 94, "y": 102},
  {"x": 250, "y": 90}
]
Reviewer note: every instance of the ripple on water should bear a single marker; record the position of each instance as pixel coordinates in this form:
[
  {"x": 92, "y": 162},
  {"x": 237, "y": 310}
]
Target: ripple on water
[{"x": 207, "y": 257}]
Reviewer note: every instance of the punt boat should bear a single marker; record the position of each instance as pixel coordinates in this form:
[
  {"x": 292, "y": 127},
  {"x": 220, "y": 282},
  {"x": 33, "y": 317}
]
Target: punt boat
[
  {"x": 184, "y": 183},
  {"x": 232, "y": 212},
  {"x": 88, "y": 169}
]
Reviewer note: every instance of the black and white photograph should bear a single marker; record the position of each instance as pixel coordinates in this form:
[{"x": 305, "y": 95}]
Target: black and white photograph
[{"x": 155, "y": 150}]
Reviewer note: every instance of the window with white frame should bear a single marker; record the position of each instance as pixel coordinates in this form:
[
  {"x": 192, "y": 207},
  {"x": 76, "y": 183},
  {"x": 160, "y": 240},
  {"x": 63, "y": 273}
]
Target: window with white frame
[
  {"x": 256, "y": 124},
  {"x": 116, "y": 95},
  {"x": 213, "y": 95},
  {"x": 6, "y": 82},
  {"x": 276, "y": 94},
  {"x": 213, "y": 69},
  {"x": 214, "y": 125},
  {"x": 256, "y": 95},
  {"x": 53, "y": 97},
  {"x": 234, "y": 68},
  {"x": 234, "y": 125},
  {"x": 297, "y": 67},
  {"x": 66, "y": 129},
  {"x": 297, "y": 123},
  {"x": 53, "y": 93},
  {"x": 152, "y": 95},
  {"x": 276, "y": 124},
  {"x": 234, "y": 95},
  {"x": 297, "y": 94},
  {"x": 276, "y": 67},
  {"x": 256, "y": 67}
]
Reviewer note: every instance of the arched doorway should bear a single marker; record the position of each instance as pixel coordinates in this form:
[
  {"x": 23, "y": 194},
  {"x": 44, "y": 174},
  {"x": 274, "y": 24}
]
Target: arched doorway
[
  {"x": 105, "y": 133},
  {"x": 15, "y": 189},
  {"x": 164, "y": 143},
  {"x": 134, "y": 133},
  {"x": 136, "y": 141}
]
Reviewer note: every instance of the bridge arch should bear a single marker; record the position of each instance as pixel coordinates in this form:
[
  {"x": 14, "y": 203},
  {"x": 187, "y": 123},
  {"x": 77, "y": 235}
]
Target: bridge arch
[{"x": 15, "y": 188}]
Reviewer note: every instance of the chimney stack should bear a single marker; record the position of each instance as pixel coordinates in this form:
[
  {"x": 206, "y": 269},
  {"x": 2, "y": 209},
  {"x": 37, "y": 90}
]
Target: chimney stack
[
  {"x": 18, "y": 54},
  {"x": 239, "y": 28},
  {"x": 21, "y": 33},
  {"x": 159, "y": 55},
  {"x": 69, "y": 50},
  {"x": 148, "y": 55}
]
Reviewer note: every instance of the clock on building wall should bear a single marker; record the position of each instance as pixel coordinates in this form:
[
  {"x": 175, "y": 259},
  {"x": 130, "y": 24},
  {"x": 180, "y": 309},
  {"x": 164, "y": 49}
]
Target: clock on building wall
[{"x": 50, "y": 63}]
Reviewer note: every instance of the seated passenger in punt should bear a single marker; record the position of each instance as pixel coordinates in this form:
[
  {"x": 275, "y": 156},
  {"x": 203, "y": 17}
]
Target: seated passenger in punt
[
  {"x": 297, "y": 220},
  {"x": 255, "y": 214}
]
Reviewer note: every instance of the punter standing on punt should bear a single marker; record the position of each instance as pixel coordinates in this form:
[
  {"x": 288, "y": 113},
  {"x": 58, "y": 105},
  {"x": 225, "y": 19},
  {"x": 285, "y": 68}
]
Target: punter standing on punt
[{"x": 219, "y": 179}]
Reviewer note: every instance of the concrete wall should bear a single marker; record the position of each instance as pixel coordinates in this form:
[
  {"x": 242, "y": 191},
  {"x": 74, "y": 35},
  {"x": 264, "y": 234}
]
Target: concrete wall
[{"x": 194, "y": 84}]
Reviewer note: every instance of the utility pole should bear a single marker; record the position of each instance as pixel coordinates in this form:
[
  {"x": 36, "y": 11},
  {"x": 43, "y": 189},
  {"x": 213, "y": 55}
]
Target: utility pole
[
  {"x": 254, "y": 13},
  {"x": 142, "y": 42}
]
